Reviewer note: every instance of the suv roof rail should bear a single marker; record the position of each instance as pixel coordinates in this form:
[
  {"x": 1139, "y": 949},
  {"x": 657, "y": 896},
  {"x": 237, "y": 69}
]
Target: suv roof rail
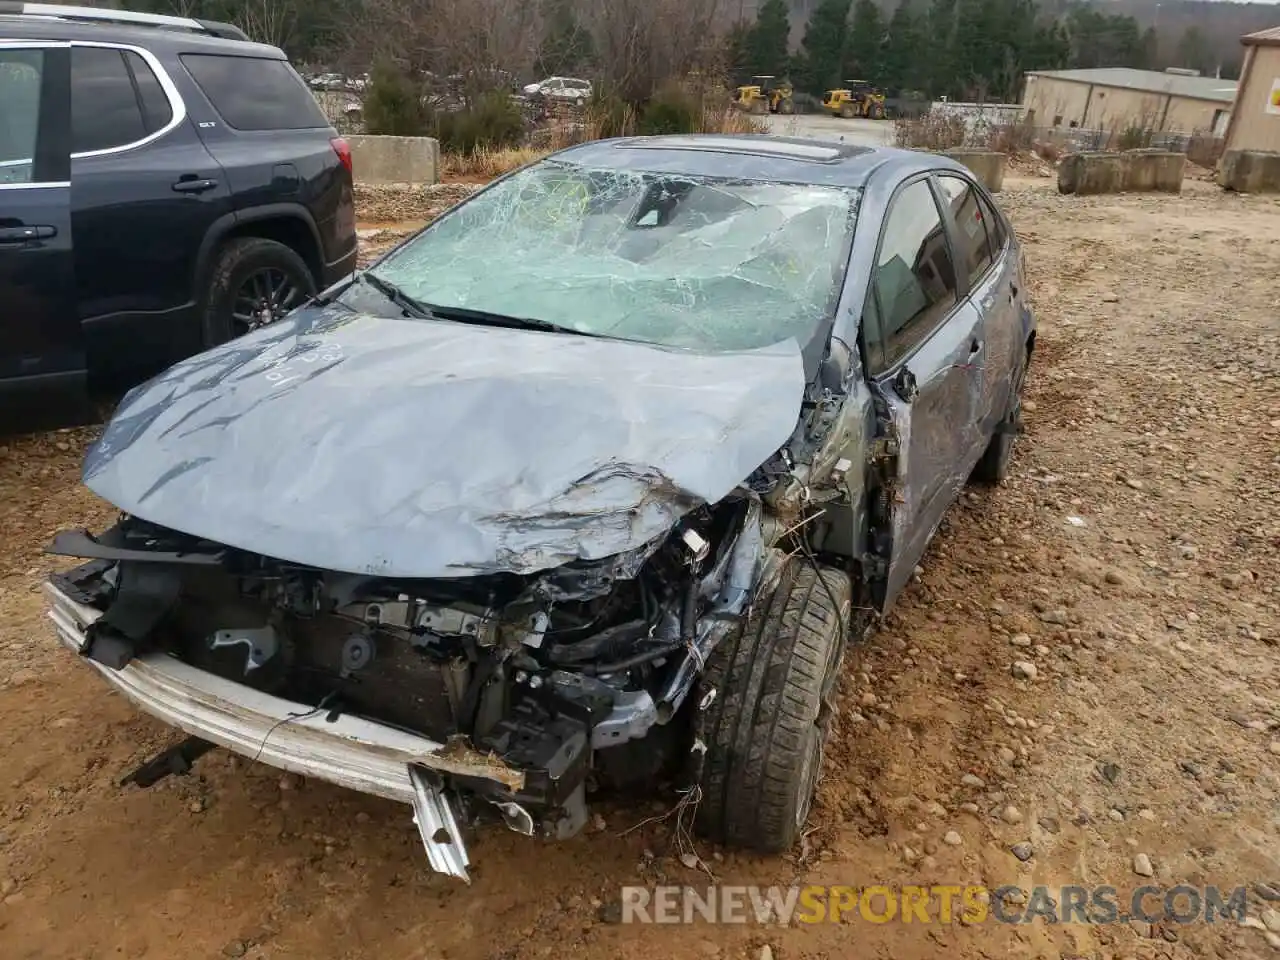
[{"x": 59, "y": 11}]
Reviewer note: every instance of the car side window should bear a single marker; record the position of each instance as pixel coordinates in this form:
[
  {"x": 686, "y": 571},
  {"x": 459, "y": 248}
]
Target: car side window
[
  {"x": 975, "y": 248},
  {"x": 255, "y": 93},
  {"x": 156, "y": 109},
  {"x": 104, "y": 107},
  {"x": 995, "y": 226},
  {"x": 915, "y": 277},
  {"x": 20, "y": 76}
]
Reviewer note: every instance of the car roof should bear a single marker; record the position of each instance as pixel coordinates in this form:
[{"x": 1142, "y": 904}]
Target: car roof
[
  {"x": 755, "y": 157},
  {"x": 30, "y": 27}
]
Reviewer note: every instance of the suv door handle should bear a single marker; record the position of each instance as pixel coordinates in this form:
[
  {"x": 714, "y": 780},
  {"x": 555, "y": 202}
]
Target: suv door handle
[
  {"x": 1013, "y": 291},
  {"x": 193, "y": 185},
  {"x": 16, "y": 235}
]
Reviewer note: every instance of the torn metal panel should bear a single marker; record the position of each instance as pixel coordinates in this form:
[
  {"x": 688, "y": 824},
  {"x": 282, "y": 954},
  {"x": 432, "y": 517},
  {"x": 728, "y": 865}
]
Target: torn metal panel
[
  {"x": 435, "y": 449},
  {"x": 438, "y": 827}
]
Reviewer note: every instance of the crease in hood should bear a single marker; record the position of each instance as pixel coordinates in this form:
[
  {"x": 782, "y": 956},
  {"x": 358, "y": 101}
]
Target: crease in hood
[{"x": 403, "y": 448}]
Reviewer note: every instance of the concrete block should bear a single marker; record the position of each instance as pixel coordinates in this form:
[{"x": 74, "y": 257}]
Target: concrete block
[
  {"x": 1250, "y": 171},
  {"x": 1089, "y": 173},
  {"x": 1143, "y": 170},
  {"x": 414, "y": 160},
  {"x": 1151, "y": 169},
  {"x": 987, "y": 165}
]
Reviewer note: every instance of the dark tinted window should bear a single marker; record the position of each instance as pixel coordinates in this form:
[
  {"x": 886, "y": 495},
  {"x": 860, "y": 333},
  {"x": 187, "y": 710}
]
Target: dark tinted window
[
  {"x": 156, "y": 111},
  {"x": 20, "y": 73},
  {"x": 974, "y": 251},
  {"x": 252, "y": 93},
  {"x": 104, "y": 106},
  {"x": 915, "y": 281}
]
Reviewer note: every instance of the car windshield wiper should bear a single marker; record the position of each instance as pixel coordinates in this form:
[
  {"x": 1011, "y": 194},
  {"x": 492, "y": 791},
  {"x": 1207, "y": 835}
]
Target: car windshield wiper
[
  {"x": 486, "y": 319},
  {"x": 415, "y": 308},
  {"x": 429, "y": 311}
]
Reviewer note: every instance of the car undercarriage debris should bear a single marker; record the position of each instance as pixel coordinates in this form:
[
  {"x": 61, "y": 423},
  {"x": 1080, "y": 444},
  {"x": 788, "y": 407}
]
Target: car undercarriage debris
[{"x": 177, "y": 759}]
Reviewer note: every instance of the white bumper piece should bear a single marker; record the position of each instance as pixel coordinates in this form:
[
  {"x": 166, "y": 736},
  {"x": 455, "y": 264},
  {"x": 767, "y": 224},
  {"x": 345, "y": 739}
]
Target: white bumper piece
[{"x": 348, "y": 751}]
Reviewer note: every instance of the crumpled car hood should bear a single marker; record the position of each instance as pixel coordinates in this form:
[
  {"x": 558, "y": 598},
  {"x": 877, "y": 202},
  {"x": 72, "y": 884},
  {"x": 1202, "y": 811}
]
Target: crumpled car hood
[{"x": 432, "y": 449}]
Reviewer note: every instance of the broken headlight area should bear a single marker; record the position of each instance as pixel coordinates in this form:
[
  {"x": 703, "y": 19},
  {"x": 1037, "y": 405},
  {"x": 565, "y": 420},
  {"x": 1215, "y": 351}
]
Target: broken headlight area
[{"x": 533, "y": 687}]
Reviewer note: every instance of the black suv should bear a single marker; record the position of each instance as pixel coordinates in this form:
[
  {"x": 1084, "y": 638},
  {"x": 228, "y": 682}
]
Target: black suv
[{"x": 165, "y": 185}]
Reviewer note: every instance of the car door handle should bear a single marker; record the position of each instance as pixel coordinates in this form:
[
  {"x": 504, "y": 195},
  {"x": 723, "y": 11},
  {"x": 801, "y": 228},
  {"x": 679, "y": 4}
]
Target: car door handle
[
  {"x": 975, "y": 347},
  {"x": 1013, "y": 291},
  {"x": 16, "y": 235},
  {"x": 194, "y": 186}
]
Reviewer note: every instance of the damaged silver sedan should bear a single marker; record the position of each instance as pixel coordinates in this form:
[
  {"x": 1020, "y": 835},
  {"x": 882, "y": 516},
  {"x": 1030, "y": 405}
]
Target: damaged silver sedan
[{"x": 582, "y": 488}]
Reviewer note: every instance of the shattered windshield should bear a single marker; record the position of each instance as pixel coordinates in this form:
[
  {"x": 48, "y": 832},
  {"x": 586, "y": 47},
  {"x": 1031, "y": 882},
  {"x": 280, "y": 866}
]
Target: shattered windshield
[{"x": 698, "y": 262}]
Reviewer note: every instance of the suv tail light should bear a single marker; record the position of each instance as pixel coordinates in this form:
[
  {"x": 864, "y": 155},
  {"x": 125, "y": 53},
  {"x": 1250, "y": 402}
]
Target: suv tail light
[{"x": 343, "y": 150}]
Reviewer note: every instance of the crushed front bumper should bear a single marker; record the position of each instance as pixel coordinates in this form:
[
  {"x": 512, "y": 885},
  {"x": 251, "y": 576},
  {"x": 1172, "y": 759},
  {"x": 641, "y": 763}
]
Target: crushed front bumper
[{"x": 345, "y": 750}]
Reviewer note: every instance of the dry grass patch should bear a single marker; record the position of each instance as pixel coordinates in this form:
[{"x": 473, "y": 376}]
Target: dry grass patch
[{"x": 485, "y": 163}]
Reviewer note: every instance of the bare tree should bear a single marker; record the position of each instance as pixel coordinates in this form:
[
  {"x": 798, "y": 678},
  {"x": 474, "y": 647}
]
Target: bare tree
[
  {"x": 476, "y": 40},
  {"x": 642, "y": 44},
  {"x": 268, "y": 21}
]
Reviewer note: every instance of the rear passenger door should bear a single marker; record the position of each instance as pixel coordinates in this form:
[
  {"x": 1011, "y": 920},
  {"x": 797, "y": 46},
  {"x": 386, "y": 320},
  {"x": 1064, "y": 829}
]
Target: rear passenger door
[
  {"x": 41, "y": 350},
  {"x": 921, "y": 340},
  {"x": 144, "y": 193},
  {"x": 266, "y": 129},
  {"x": 980, "y": 252}
]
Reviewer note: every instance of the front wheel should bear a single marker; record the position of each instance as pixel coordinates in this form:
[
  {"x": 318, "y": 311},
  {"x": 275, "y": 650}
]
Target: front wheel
[
  {"x": 847, "y": 111},
  {"x": 255, "y": 282},
  {"x": 767, "y": 725}
]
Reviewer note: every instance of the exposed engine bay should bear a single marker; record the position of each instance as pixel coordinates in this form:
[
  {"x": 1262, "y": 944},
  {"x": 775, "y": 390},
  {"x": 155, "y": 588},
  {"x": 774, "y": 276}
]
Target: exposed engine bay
[{"x": 556, "y": 677}]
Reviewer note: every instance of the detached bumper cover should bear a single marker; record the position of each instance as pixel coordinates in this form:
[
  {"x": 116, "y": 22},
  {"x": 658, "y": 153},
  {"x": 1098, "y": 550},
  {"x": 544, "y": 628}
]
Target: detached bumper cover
[{"x": 348, "y": 751}]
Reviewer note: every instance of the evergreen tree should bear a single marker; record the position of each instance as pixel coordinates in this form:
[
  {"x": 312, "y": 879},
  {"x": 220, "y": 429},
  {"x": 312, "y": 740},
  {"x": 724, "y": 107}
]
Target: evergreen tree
[
  {"x": 939, "y": 67},
  {"x": 905, "y": 56},
  {"x": 823, "y": 46},
  {"x": 737, "y": 52},
  {"x": 864, "y": 52},
  {"x": 1195, "y": 52},
  {"x": 766, "y": 44}
]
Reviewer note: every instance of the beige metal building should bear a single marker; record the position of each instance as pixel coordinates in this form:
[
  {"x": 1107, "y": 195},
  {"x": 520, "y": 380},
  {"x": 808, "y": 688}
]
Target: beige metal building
[
  {"x": 1255, "y": 121},
  {"x": 1117, "y": 98}
]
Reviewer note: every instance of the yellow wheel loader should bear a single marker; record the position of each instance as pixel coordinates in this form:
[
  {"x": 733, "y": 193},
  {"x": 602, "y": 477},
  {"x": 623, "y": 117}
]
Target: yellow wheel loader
[
  {"x": 764, "y": 95},
  {"x": 858, "y": 99}
]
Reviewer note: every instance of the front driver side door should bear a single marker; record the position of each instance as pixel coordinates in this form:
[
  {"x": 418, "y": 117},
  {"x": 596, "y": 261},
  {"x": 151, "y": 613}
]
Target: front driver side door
[
  {"x": 922, "y": 340},
  {"x": 41, "y": 348}
]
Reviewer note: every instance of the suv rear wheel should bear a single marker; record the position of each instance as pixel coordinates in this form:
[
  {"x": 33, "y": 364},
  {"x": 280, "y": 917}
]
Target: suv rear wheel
[
  {"x": 255, "y": 282},
  {"x": 766, "y": 729}
]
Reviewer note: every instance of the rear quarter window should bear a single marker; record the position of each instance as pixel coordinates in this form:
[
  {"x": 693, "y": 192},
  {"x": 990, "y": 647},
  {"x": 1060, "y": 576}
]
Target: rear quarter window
[{"x": 254, "y": 93}]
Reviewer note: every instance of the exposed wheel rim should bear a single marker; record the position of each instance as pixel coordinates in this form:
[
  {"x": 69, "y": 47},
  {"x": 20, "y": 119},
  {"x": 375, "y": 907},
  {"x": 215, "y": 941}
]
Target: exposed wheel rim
[{"x": 264, "y": 297}]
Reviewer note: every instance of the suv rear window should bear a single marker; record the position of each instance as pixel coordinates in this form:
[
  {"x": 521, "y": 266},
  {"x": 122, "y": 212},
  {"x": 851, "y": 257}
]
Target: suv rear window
[{"x": 253, "y": 93}]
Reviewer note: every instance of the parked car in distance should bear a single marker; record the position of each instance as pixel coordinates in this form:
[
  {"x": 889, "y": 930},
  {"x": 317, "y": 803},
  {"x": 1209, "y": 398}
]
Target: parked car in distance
[
  {"x": 165, "y": 186},
  {"x": 567, "y": 89},
  {"x": 589, "y": 482}
]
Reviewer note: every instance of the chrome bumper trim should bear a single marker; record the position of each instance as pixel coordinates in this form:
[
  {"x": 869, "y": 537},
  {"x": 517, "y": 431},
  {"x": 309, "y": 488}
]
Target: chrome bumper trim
[{"x": 349, "y": 751}]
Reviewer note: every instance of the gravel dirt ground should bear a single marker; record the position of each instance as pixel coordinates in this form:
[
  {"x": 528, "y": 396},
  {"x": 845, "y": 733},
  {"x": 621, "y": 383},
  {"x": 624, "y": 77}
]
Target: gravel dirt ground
[{"x": 1133, "y": 559}]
